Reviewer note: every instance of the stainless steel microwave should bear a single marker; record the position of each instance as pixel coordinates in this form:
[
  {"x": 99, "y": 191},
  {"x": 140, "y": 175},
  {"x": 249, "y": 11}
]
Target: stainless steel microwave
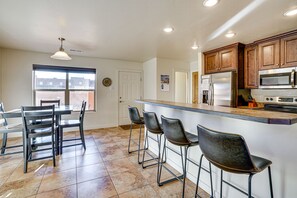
[{"x": 278, "y": 78}]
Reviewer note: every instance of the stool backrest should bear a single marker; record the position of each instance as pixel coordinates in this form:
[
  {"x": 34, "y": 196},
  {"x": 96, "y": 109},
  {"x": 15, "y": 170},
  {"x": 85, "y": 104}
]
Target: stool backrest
[
  {"x": 82, "y": 111},
  {"x": 174, "y": 131},
  {"x": 134, "y": 115},
  {"x": 226, "y": 151},
  {"x": 50, "y": 102},
  {"x": 151, "y": 122}
]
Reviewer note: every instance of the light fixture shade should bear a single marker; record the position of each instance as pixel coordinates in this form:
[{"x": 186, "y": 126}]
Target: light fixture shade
[{"x": 61, "y": 55}]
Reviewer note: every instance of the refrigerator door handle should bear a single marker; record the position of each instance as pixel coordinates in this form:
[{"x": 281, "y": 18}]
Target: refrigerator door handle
[
  {"x": 212, "y": 94},
  {"x": 209, "y": 94}
]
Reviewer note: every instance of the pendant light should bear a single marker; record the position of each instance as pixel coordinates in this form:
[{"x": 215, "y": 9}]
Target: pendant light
[{"x": 61, "y": 54}]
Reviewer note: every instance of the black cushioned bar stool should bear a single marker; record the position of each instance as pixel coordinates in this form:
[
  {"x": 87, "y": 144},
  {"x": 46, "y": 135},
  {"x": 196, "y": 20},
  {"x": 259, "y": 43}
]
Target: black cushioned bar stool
[
  {"x": 174, "y": 132},
  {"x": 230, "y": 153},
  {"x": 152, "y": 125},
  {"x": 137, "y": 120}
]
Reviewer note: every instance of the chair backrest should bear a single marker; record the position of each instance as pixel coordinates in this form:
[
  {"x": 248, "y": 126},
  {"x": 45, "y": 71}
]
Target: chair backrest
[
  {"x": 82, "y": 111},
  {"x": 134, "y": 115},
  {"x": 227, "y": 151},
  {"x": 174, "y": 131},
  {"x": 151, "y": 122},
  {"x": 31, "y": 114},
  {"x": 50, "y": 102}
]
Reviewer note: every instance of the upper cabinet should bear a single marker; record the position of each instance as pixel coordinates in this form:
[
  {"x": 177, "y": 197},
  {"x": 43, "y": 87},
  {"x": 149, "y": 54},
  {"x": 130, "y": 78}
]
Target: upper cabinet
[
  {"x": 227, "y": 58},
  {"x": 289, "y": 51},
  {"x": 211, "y": 62},
  {"x": 278, "y": 51},
  {"x": 269, "y": 56}
]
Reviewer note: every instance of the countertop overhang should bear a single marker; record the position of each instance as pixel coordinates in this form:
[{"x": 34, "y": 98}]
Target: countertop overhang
[{"x": 268, "y": 117}]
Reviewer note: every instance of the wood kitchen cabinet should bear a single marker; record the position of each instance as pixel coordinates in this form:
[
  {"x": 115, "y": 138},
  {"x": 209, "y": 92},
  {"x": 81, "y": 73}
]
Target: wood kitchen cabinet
[
  {"x": 211, "y": 62},
  {"x": 269, "y": 56},
  {"x": 251, "y": 67},
  {"x": 289, "y": 51},
  {"x": 278, "y": 51},
  {"x": 228, "y": 58}
]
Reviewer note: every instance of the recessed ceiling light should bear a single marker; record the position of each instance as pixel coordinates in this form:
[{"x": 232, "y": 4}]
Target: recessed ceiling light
[
  {"x": 230, "y": 34},
  {"x": 210, "y": 3},
  {"x": 195, "y": 46},
  {"x": 168, "y": 29},
  {"x": 291, "y": 12}
]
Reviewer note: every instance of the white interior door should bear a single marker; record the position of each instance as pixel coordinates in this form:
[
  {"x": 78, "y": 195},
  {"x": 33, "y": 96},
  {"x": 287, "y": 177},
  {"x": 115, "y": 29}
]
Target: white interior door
[{"x": 129, "y": 91}]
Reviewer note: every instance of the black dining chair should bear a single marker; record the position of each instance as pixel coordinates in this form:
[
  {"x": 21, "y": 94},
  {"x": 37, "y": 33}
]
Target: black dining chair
[
  {"x": 73, "y": 123},
  {"x": 50, "y": 102},
  {"x": 230, "y": 153},
  {"x": 175, "y": 133},
  {"x": 6, "y": 129},
  {"x": 33, "y": 129}
]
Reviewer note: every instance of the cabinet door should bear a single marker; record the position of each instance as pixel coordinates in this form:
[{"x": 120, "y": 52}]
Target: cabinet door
[
  {"x": 289, "y": 51},
  {"x": 269, "y": 57},
  {"x": 228, "y": 59},
  {"x": 250, "y": 67},
  {"x": 211, "y": 63}
]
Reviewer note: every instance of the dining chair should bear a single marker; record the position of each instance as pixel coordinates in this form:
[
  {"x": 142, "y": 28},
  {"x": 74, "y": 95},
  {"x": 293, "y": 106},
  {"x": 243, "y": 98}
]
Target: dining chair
[
  {"x": 5, "y": 129},
  {"x": 32, "y": 129},
  {"x": 50, "y": 102},
  {"x": 73, "y": 123}
]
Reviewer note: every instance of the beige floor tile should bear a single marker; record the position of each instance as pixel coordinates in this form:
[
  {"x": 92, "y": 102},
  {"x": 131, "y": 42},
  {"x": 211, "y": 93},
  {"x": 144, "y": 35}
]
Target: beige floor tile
[
  {"x": 62, "y": 164},
  {"x": 119, "y": 166},
  {"x": 57, "y": 180},
  {"x": 66, "y": 192},
  {"x": 113, "y": 154},
  {"x": 90, "y": 172},
  {"x": 127, "y": 181},
  {"x": 101, "y": 187},
  {"x": 85, "y": 160},
  {"x": 143, "y": 192},
  {"x": 21, "y": 188},
  {"x": 35, "y": 169},
  {"x": 89, "y": 150}
]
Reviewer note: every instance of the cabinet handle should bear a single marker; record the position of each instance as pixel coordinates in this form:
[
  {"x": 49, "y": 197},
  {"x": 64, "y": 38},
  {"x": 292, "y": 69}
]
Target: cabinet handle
[{"x": 277, "y": 64}]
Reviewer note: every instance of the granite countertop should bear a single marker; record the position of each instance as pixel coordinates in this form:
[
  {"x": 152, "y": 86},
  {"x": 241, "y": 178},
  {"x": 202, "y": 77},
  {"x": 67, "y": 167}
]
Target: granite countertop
[{"x": 256, "y": 115}]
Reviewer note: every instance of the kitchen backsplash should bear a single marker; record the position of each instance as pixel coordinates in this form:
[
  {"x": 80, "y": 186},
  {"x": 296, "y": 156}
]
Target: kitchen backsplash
[{"x": 259, "y": 94}]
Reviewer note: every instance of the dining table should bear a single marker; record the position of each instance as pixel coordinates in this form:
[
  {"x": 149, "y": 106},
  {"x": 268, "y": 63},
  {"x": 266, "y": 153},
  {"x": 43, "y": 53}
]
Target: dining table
[{"x": 16, "y": 113}]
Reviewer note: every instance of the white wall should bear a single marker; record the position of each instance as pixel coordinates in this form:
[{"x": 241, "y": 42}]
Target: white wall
[
  {"x": 180, "y": 87},
  {"x": 16, "y": 82},
  {"x": 169, "y": 67},
  {"x": 150, "y": 79}
]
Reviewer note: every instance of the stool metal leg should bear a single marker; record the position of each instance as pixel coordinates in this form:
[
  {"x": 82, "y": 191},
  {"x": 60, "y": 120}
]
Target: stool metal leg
[
  {"x": 139, "y": 162},
  {"x": 184, "y": 169},
  {"x": 221, "y": 189},
  {"x": 270, "y": 182},
  {"x": 145, "y": 148},
  {"x": 210, "y": 174},
  {"x": 4, "y": 142},
  {"x": 130, "y": 138},
  {"x": 250, "y": 186}
]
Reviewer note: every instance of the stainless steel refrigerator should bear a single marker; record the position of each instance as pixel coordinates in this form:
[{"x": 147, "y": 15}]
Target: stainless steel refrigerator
[{"x": 219, "y": 89}]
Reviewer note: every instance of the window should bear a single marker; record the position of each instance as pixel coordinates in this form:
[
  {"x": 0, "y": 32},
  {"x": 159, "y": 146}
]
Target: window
[{"x": 70, "y": 85}]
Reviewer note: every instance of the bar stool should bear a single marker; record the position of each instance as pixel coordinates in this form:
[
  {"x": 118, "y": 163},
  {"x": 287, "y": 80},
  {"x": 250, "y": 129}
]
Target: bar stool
[
  {"x": 135, "y": 119},
  {"x": 152, "y": 125},
  {"x": 230, "y": 153},
  {"x": 174, "y": 132}
]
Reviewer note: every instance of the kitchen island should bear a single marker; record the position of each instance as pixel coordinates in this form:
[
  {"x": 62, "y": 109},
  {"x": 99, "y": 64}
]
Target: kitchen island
[{"x": 271, "y": 135}]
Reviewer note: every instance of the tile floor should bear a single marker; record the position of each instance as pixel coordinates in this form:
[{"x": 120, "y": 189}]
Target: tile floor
[{"x": 105, "y": 169}]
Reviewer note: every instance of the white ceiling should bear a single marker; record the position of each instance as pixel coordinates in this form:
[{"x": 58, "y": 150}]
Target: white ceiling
[{"x": 132, "y": 29}]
